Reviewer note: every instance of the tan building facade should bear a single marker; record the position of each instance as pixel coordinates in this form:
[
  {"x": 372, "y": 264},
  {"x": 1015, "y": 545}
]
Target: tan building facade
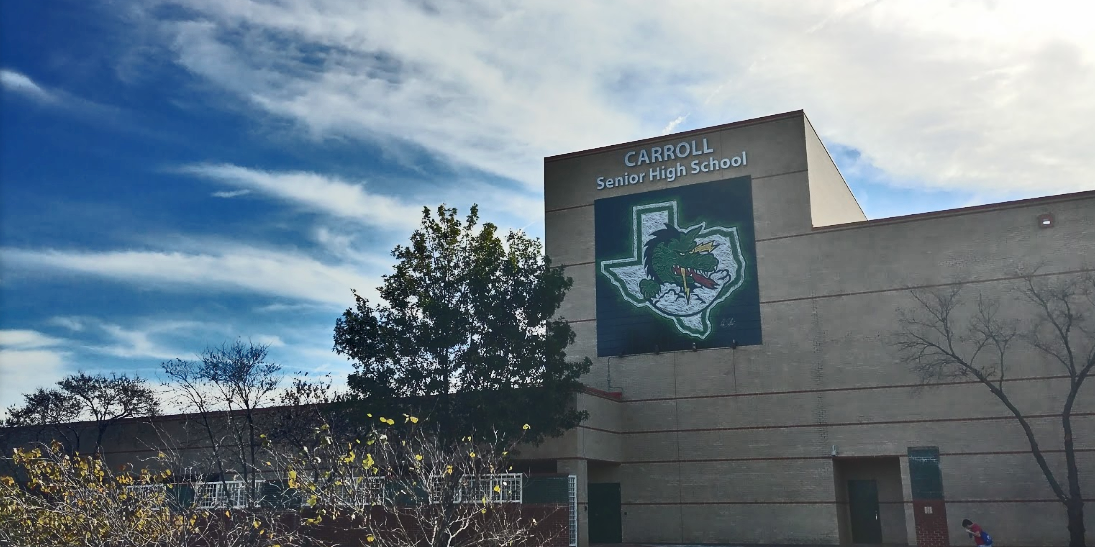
[{"x": 760, "y": 398}]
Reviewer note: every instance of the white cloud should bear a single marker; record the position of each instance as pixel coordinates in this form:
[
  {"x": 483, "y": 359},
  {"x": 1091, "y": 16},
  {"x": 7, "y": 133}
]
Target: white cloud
[
  {"x": 315, "y": 192},
  {"x": 979, "y": 95},
  {"x": 268, "y": 340},
  {"x": 227, "y": 268},
  {"x": 28, "y": 360},
  {"x": 231, "y": 194},
  {"x": 279, "y": 307},
  {"x": 672, "y": 126},
  {"x": 133, "y": 344},
  {"x": 74, "y": 324},
  {"x": 26, "y": 339},
  {"x": 19, "y": 83}
]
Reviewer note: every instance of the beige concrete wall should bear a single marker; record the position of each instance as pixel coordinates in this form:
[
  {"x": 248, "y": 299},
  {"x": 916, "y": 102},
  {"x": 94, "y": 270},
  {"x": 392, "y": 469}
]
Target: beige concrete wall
[{"x": 732, "y": 445}]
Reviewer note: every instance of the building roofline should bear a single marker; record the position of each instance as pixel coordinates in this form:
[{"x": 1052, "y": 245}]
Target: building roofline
[
  {"x": 177, "y": 416},
  {"x": 973, "y": 209},
  {"x": 701, "y": 131}
]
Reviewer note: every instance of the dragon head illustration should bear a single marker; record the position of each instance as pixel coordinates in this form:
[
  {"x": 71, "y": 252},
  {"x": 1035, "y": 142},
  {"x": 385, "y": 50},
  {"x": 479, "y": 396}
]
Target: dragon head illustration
[{"x": 672, "y": 256}]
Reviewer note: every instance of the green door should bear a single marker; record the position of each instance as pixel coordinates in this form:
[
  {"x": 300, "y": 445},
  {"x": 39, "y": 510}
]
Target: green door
[
  {"x": 863, "y": 510},
  {"x": 605, "y": 524}
]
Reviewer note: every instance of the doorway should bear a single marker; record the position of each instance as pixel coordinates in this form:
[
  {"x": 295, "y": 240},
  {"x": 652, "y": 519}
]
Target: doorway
[
  {"x": 605, "y": 523},
  {"x": 870, "y": 500},
  {"x": 863, "y": 512}
]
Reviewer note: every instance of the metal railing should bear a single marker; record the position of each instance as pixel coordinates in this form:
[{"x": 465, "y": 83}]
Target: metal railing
[
  {"x": 233, "y": 494},
  {"x": 572, "y": 499},
  {"x": 498, "y": 488}
]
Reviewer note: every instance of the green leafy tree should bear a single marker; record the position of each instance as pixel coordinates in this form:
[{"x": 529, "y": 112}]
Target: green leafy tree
[
  {"x": 108, "y": 400},
  {"x": 50, "y": 413},
  {"x": 101, "y": 399},
  {"x": 467, "y": 335}
]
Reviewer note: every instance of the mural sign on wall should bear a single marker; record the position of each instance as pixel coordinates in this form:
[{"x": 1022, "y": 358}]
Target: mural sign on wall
[{"x": 676, "y": 269}]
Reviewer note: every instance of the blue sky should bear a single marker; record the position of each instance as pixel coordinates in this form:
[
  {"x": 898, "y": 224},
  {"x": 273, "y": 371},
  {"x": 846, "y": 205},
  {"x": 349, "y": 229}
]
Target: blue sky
[{"x": 175, "y": 174}]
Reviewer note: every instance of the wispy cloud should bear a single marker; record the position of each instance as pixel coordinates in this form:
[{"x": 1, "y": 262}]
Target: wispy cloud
[
  {"x": 315, "y": 192},
  {"x": 928, "y": 98},
  {"x": 279, "y": 307},
  {"x": 74, "y": 324},
  {"x": 230, "y": 268},
  {"x": 16, "y": 82},
  {"x": 231, "y": 194},
  {"x": 672, "y": 126},
  {"x": 268, "y": 340},
  {"x": 22, "y": 85},
  {"x": 135, "y": 343}
]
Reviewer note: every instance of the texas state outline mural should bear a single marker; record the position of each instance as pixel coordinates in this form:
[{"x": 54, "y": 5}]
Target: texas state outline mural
[{"x": 678, "y": 280}]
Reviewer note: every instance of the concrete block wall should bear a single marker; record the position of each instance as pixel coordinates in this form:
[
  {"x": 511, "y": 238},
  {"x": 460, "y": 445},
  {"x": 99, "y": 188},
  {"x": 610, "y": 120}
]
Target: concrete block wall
[{"x": 733, "y": 445}]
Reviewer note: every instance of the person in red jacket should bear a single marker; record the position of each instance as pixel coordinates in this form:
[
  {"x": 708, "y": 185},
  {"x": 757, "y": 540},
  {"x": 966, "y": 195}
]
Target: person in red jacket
[{"x": 980, "y": 536}]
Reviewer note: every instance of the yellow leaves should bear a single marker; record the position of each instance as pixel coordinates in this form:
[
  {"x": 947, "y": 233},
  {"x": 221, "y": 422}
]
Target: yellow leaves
[
  {"x": 292, "y": 479},
  {"x": 228, "y": 514},
  {"x": 498, "y": 489},
  {"x": 448, "y": 469},
  {"x": 312, "y": 501},
  {"x": 418, "y": 457},
  {"x": 471, "y": 454},
  {"x": 526, "y": 427},
  {"x": 413, "y": 419},
  {"x": 161, "y": 456},
  {"x": 369, "y": 538},
  {"x": 255, "y": 524}
]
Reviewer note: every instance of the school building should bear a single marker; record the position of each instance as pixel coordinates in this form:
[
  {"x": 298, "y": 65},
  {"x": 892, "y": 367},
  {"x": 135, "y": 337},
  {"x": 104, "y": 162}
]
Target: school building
[{"x": 740, "y": 311}]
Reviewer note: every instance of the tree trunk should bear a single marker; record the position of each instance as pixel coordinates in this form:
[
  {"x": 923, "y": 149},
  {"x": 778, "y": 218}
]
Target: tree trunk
[
  {"x": 1075, "y": 503},
  {"x": 1076, "y": 522}
]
